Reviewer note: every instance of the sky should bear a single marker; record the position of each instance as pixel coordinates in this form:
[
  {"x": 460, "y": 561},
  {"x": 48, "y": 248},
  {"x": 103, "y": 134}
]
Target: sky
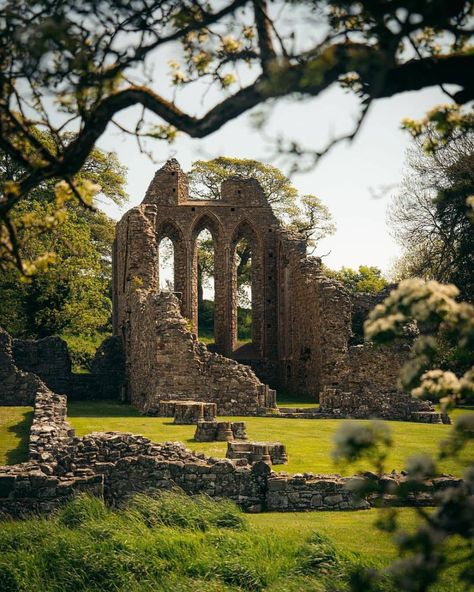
[{"x": 346, "y": 179}]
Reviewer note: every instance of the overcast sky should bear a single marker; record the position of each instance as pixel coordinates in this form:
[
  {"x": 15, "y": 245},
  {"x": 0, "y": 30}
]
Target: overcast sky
[{"x": 345, "y": 179}]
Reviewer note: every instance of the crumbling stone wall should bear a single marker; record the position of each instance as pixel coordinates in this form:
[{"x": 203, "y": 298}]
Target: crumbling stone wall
[
  {"x": 361, "y": 304},
  {"x": 115, "y": 465},
  {"x": 364, "y": 384},
  {"x": 315, "y": 313},
  {"x": 48, "y": 358},
  {"x": 16, "y": 387},
  {"x": 166, "y": 362},
  {"x": 300, "y": 318}
]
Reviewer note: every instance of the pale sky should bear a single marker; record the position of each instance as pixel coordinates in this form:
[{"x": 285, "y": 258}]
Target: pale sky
[{"x": 343, "y": 179}]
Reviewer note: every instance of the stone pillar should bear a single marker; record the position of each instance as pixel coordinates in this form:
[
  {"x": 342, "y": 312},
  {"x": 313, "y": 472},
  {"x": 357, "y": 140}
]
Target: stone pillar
[{"x": 221, "y": 327}]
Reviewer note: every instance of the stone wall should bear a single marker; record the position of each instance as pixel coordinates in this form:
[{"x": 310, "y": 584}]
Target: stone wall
[
  {"x": 361, "y": 304},
  {"x": 49, "y": 359},
  {"x": 364, "y": 384},
  {"x": 300, "y": 318},
  {"x": 315, "y": 313},
  {"x": 16, "y": 386},
  {"x": 166, "y": 362},
  {"x": 50, "y": 432},
  {"x": 115, "y": 465}
]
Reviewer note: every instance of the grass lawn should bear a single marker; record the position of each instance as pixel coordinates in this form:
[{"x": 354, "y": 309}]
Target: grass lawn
[
  {"x": 15, "y": 425},
  {"x": 339, "y": 526},
  {"x": 309, "y": 442}
]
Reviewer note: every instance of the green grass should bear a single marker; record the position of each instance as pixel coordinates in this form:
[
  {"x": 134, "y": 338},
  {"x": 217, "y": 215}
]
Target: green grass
[
  {"x": 309, "y": 442},
  {"x": 15, "y": 425},
  {"x": 174, "y": 543}
]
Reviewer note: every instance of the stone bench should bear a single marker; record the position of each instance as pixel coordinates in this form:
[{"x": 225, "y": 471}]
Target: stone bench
[{"x": 269, "y": 452}]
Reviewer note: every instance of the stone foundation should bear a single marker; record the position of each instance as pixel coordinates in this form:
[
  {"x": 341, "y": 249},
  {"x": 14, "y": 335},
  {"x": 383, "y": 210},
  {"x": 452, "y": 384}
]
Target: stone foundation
[
  {"x": 220, "y": 431},
  {"x": 115, "y": 465},
  {"x": 191, "y": 412},
  {"x": 269, "y": 452}
]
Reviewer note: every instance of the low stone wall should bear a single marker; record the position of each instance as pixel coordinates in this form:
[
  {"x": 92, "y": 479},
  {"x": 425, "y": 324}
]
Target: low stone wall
[
  {"x": 393, "y": 405},
  {"x": 364, "y": 384},
  {"x": 300, "y": 493},
  {"x": 114, "y": 465},
  {"x": 49, "y": 359},
  {"x": 50, "y": 432}
]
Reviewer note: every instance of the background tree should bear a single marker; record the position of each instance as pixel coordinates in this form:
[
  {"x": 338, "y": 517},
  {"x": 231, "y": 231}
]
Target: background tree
[
  {"x": 367, "y": 279},
  {"x": 71, "y": 296},
  {"x": 429, "y": 216},
  {"x": 69, "y": 65}
]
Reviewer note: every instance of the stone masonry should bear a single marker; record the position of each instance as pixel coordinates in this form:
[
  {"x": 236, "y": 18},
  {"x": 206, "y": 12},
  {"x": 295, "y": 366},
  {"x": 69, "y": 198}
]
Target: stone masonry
[
  {"x": 115, "y": 465},
  {"x": 301, "y": 319},
  {"x": 49, "y": 359},
  {"x": 16, "y": 386},
  {"x": 167, "y": 362}
]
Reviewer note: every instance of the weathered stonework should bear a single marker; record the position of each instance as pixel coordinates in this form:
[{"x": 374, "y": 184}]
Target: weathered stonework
[
  {"x": 49, "y": 359},
  {"x": 220, "y": 431},
  {"x": 269, "y": 452},
  {"x": 166, "y": 361},
  {"x": 364, "y": 385},
  {"x": 115, "y": 465},
  {"x": 190, "y": 412},
  {"x": 16, "y": 386},
  {"x": 301, "y": 319}
]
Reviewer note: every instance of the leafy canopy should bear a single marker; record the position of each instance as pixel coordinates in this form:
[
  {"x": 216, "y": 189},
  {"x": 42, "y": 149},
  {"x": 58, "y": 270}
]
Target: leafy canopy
[
  {"x": 431, "y": 216},
  {"x": 76, "y": 65},
  {"x": 367, "y": 279},
  {"x": 71, "y": 295}
]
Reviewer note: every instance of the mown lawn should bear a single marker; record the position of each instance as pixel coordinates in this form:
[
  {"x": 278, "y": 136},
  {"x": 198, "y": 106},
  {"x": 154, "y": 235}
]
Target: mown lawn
[
  {"x": 15, "y": 425},
  {"x": 309, "y": 442}
]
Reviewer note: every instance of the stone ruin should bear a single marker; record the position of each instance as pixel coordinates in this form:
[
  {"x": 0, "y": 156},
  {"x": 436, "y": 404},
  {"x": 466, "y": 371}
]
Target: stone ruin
[
  {"x": 301, "y": 319},
  {"x": 268, "y": 452},
  {"x": 115, "y": 465},
  {"x": 220, "y": 431}
]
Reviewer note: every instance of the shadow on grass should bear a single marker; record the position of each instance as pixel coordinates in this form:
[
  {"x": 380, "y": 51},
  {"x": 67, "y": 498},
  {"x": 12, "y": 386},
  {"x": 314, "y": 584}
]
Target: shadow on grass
[
  {"x": 100, "y": 409},
  {"x": 22, "y": 432}
]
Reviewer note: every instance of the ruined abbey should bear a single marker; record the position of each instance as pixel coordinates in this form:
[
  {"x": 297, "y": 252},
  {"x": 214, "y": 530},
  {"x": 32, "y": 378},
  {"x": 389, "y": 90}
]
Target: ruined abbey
[
  {"x": 300, "y": 344},
  {"x": 301, "y": 319}
]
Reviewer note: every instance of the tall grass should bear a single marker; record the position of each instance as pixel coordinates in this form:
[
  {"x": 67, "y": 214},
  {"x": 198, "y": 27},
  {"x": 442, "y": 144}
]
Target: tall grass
[{"x": 166, "y": 542}]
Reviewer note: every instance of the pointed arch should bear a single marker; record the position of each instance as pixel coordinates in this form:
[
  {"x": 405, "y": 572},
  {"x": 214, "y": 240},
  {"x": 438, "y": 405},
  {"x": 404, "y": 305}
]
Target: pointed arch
[
  {"x": 207, "y": 221},
  {"x": 210, "y": 222},
  {"x": 170, "y": 230},
  {"x": 246, "y": 230}
]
